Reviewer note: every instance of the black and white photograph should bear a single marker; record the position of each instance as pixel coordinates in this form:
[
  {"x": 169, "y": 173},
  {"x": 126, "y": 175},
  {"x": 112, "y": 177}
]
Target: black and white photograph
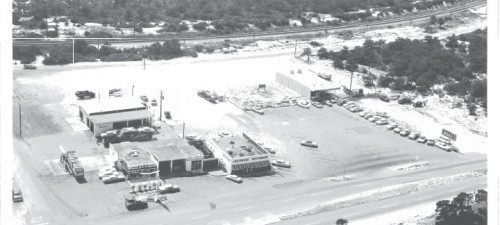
[{"x": 249, "y": 112}]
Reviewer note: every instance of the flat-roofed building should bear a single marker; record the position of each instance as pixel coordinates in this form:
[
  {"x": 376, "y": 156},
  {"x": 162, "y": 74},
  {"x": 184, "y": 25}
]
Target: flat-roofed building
[
  {"x": 102, "y": 115},
  {"x": 133, "y": 159},
  {"x": 240, "y": 154},
  {"x": 305, "y": 83},
  {"x": 170, "y": 155}
]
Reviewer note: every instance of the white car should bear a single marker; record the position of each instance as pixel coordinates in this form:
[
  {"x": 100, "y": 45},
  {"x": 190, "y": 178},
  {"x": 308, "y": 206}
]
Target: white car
[
  {"x": 391, "y": 126},
  {"x": 281, "y": 163},
  {"x": 224, "y": 134},
  {"x": 363, "y": 114},
  {"x": 374, "y": 119},
  {"x": 413, "y": 135},
  {"x": 422, "y": 140},
  {"x": 317, "y": 104},
  {"x": 405, "y": 132},
  {"x": 107, "y": 172},
  {"x": 382, "y": 122},
  {"x": 398, "y": 130},
  {"x": 234, "y": 178},
  {"x": 443, "y": 146},
  {"x": 169, "y": 188}
]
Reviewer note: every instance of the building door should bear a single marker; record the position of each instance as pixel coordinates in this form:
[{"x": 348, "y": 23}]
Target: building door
[
  {"x": 164, "y": 167},
  {"x": 91, "y": 126},
  {"x": 81, "y": 115},
  {"x": 179, "y": 165},
  {"x": 134, "y": 123},
  {"x": 119, "y": 125}
]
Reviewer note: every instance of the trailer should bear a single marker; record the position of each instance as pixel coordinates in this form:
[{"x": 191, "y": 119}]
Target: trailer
[{"x": 70, "y": 162}]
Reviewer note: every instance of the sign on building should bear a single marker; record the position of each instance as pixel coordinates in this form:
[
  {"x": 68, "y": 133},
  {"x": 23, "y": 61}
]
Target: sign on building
[{"x": 449, "y": 134}]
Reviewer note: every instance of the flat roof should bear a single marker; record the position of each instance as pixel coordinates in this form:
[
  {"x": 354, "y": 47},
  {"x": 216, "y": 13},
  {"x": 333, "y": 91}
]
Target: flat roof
[
  {"x": 239, "y": 146},
  {"x": 309, "y": 79},
  {"x": 111, "y": 104},
  {"x": 133, "y": 155},
  {"x": 166, "y": 149},
  {"x": 121, "y": 116}
]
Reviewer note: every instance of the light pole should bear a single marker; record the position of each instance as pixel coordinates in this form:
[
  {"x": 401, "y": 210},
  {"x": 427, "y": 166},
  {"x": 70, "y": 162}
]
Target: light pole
[
  {"x": 132, "y": 90},
  {"x": 161, "y": 102},
  {"x": 20, "y": 123}
]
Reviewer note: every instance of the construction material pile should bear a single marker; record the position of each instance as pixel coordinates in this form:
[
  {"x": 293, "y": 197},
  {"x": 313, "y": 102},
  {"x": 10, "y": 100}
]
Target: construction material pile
[{"x": 262, "y": 96}]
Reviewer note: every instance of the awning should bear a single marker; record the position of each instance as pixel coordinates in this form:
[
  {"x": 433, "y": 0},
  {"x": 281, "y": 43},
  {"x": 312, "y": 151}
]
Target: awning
[
  {"x": 251, "y": 165},
  {"x": 121, "y": 116}
]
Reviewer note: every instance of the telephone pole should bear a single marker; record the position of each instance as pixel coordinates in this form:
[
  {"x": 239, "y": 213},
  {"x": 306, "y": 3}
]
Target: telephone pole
[
  {"x": 20, "y": 123},
  {"x": 161, "y": 102},
  {"x": 295, "y": 52}
]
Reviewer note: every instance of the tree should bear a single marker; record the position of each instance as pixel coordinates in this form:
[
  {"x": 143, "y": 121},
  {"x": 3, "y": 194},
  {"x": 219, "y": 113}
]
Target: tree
[
  {"x": 323, "y": 53},
  {"x": 479, "y": 88},
  {"x": 80, "y": 46},
  {"x": 341, "y": 222},
  {"x": 433, "y": 19},
  {"x": 481, "y": 196},
  {"x": 441, "y": 21},
  {"x": 338, "y": 63},
  {"x": 307, "y": 52}
]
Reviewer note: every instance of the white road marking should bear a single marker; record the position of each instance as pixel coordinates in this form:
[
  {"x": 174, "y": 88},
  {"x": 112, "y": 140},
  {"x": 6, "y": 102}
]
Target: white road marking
[
  {"x": 320, "y": 193},
  {"x": 244, "y": 208},
  {"x": 199, "y": 217},
  {"x": 287, "y": 200}
]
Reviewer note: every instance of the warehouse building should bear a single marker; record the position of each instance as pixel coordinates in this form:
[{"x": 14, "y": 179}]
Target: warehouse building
[
  {"x": 305, "y": 83},
  {"x": 170, "y": 155},
  {"x": 240, "y": 154},
  {"x": 101, "y": 115}
]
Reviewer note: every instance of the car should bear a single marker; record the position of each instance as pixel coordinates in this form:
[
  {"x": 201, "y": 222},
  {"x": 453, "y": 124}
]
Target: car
[
  {"x": 234, "y": 178},
  {"x": 327, "y": 103},
  {"x": 349, "y": 105},
  {"x": 106, "y": 172},
  {"x": 391, "y": 126},
  {"x": 84, "y": 94},
  {"x": 311, "y": 144},
  {"x": 114, "y": 90},
  {"x": 413, "y": 135},
  {"x": 270, "y": 150},
  {"x": 341, "y": 102},
  {"x": 367, "y": 116},
  {"x": 169, "y": 188},
  {"x": 355, "y": 109},
  {"x": 398, "y": 130},
  {"x": 317, "y": 104},
  {"x": 29, "y": 67},
  {"x": 363, "y": 114},
  {"x": 404, "y": 132},
  {"x": 384, "y": 98},
  {"x": 134, "y": 204},
  {"x": 382, "y": 122},
  {"x": 444, "y": 146},
  {"x": 224, "y": 134},
  {"x": 304, "y": 104},
  {"x": 167, "y": 115},
  {"x": 258, "y": 110},
  {"x": 144, "y": 98},
  {"x": 374, "y": 119},
  {"x": 154, "y": 102},
  {"x": 113, "y": 178},
  {"x": 431, "y": 142},
  {"x": 17, "y": 195},
  {"x": 382, "y": 114},
  {"x": 281, "y": 163},
  {"x": 117, "y": 94},
  {"x": 422, "y": 139},
  {"x": 334, "y": 101}
]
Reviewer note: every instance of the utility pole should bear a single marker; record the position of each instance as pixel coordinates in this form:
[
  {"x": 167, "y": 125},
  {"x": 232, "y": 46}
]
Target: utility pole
[
  {"x": 350, "y": 84},
  {"x": 47, "y": 20},
  {"x": 73, "y": 54},
  {"x": 161, "y": 102},
  {"x": 295, "y": 52},
  {"x": 20, "y": 123},
  {"x": 144, "y": 64},
  {"x": 132, "y": 90},
  {"x": 183, "y": 128}
]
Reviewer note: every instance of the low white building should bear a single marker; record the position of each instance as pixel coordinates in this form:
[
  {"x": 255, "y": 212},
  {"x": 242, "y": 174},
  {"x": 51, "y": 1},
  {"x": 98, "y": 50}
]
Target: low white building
[
  {"x": 239, "y": 154},
  {"x": 101, "y": 115}
]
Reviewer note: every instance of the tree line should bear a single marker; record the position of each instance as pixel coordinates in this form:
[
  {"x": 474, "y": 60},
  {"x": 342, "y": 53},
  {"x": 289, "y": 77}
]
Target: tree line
[{"x": 227, "y": 16}]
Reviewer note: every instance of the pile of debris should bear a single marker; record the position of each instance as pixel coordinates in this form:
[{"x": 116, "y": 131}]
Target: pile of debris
[
  {"x": 127, "y": 134},
  {"x": 263, "y": 96}
]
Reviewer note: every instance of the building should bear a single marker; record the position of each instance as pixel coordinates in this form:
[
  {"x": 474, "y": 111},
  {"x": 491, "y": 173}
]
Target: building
[
  {"x": 133, "y": 159},
  {"x": 305, "y": 83},
  {"x": 101, "y": 115},
  {"x": 169, "y": 156},
  {"x": 240, "y": 154}
]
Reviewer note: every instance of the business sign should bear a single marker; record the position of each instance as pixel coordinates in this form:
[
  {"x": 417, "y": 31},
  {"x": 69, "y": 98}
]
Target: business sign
[{"x": 449, "y": 134}]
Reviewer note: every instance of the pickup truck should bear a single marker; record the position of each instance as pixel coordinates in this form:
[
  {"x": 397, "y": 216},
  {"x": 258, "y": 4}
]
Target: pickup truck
[{"x": 84, "y": 94}]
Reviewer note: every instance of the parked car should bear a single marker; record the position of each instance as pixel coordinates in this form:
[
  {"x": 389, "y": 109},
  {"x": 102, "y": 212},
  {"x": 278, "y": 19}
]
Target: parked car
[
  {"x": 413, "y": 136},
  {"x": 169, "y": 188},
  {"x": 328, "y": 103},
  {"x": 84, "y": 94},
  {"x": 311, "y": 144},
  {"x": 391, "y": 126},
  {"x": 106, "y": 172},
  {"x": 382, "y": 114},
  {"x": 224, "y": 134},
  {"x": 113, "y": 178},
  {"x": 363, "y": 114},
  {"x": 304, "y": 104},
  {"x": 382, "y": 122},
  {"x": 281, "y": 163},
  {"x": 374, "y": 119},
  {"x": 384, "y": 98},
  {"x": 431, "y": 142},
  {"x": 234, "y": 178},
  {"x": 317, "y": 104},
  {"x": 341, "y": 102},
  {"x": 270, "y": 150},
  {"x": 404, "y": 132},
  {"x": 114, "y": 90},
  {"x": 17, "y": 195},
  {"x": 153, "y": 102},
  {"x": 258, "y": 110},
  {"x": 422, "y": 139},
  {"x": 398, "y": 130},
  {"x": 368, "y": 116},
  {"x": 116, "y": 94},
  {"x": 444, "y": 146},
  {"x": 29, "y": 67},
  {"x": 134, "y": 204},
  {"x": 144, "y": 98}
]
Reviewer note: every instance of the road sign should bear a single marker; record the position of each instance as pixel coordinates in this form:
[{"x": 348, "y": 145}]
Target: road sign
[{"x": 449, "y": 134}]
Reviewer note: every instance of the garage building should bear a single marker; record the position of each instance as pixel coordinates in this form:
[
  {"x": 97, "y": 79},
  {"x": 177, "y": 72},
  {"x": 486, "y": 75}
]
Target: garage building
[
  {"x": 305, "y": 83},
  {"x": 170, "y": 155},
  {"x": 240, "y": 154},
  {"x": 132, "y": 159},
  {"x": 101, "y": 115}
]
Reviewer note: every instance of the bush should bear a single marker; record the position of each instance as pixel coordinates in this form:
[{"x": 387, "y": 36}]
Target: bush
[
  {"x": 315, "y": 44},
  {"x": 198, "y": 48},
  {"x": 200, "y": 26},
  {"x": 404, "y": 101}
]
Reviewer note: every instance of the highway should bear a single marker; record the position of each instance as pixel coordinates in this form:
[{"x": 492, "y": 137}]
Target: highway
[
  {"x": 256, "y": 208},
  {"x": 142, "y": 41}
]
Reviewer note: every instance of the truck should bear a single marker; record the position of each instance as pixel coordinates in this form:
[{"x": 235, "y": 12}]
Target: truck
[
  {"x": 127, "y": 134},
  {"x": 133, "y": 203},
  {"x": 70, "y": 162}
]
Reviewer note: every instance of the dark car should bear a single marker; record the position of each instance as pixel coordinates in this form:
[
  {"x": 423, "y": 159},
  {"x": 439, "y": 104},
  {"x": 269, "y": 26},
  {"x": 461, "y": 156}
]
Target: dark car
[
  {"x": 144, "y": 98},
  {"x": 169, "y": 188},
  {"x": 115, "y": 90},
  {"x": 341, "y": 102},
  {"x": 29, "y": 67},
  {"x": 384, "y": 98},
  {"x": 154, "y": 102},
  {"x": 431, "y": 142},
  {"x": 167, "y": 115},
  {"x": 17, "y": 195},
  {"x": 85, "y": 94},
  {"x": 134, "y": 204},
  {"x": 311, "y": 144}
]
